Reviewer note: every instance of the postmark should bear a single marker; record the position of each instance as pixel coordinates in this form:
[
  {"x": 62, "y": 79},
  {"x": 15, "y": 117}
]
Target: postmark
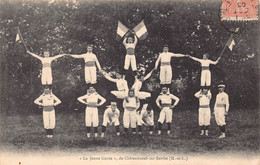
[{"x": 239, "y": 10}]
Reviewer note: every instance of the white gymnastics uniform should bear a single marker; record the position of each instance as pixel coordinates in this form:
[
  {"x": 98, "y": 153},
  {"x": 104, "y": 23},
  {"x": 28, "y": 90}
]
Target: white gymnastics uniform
[
  {"x": 130, "y": 56},
  {"x": 122, "y": 88},
  {"x": 110, "y": 116},
  {"x": 166, "y": 112},
  {"x": 130, "y": 116},
  {"x": 46, "y": 77},
  {"x": 145, "y": 117},
  {"x": 91, "y": 112},
  {"x": 90, "y": 68},
  {"x": 48, "y": 102},
  {"x": 137, "y": 86},
  {"x": 205, "y": 72},
  {"x": 204, "y": 109},
  {"x": 221, "y": 105}
]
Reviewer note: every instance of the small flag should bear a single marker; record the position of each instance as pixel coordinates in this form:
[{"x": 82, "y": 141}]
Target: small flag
[
  {"x": 121, "y": 30},
  {"x": 17, "y": 37},
  {"x": 141, "y": 31},
  {"x": 230, "y": 43}
]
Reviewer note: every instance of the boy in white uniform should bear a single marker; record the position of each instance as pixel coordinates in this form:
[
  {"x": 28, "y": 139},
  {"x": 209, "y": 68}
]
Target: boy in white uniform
[
  {"x": 146, "y": 117},
  {"x": 166, "y": 69},
  {"x": 91, "y": 62},
  {"x": 91, "y": 99},
  {"x": 130, "y": 59},
  {"x": 205, "y": 72},
  {"x": 166, "y": 109},
  {"x": 111, "y": 116},
  {"x": 46, "y": 75},
  {"x": 204, "y": 97},
  {"x": 131, "y": 103},
  {"x": 221, "y": 109},
  {"x": 48, "y": 100}
]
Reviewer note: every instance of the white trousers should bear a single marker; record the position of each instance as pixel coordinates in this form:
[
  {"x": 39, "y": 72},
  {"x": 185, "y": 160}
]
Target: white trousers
[
  {"x": 120, "y": 94},
  {"x": 166, "y": 74},
  {"x": 106, "y": 120},
  {"x": 91, "y": 75},
  {"x": 91, "y": 117},
  {"x": 130, "y": 60},
  {"x": 220, "y": 116},
  {"x": 148, "y": 120},
  {"x": 129, "y": 119},
  {"x": 46, "y": 77},
  {"x": 205, "y": 78},
  {"x": 165, "y": 115},
  {"x": 48, "y": 119},
  {"x": 204, "y": 116}
]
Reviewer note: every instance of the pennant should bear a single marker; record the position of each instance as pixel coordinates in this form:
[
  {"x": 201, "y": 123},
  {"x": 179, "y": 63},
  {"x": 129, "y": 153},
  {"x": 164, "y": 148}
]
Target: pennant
[
  {"x": 121, "y": 30},
  {"x": 230, "y": 43},
  {"x": 141, "y": 31}
]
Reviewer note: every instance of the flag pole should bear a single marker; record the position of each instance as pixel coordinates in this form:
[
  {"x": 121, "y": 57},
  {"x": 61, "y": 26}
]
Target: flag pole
[
  {"x": 22, "y": 39},
  {"x": 223, "y": 51}
]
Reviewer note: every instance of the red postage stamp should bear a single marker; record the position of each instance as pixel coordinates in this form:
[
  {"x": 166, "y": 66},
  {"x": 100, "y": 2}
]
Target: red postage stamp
[{"x": 239, "y": 10}]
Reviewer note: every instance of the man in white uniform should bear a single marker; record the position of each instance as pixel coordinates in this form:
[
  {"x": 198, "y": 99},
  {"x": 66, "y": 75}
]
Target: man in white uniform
[
  {"x": 46, "y": 75},
  {"x": 166, "y": 108},
  {"x": 111, "y": 116},
  {"x": 166, "y": 69},
  {"x": 131, "y": 103},
  {"x": 91, "y": 62},
  {"x": 145, "y": 117},
  {"x": 130, "y": 59},
  {"x": 91, "y": 99},
  {"x": 221, "y": 109},
  {"x": 48, "y": 100},
  {"x": 205, "y": 72},
  {"x": 204, "y": 97},
  {"x": 121, "y": 84}
]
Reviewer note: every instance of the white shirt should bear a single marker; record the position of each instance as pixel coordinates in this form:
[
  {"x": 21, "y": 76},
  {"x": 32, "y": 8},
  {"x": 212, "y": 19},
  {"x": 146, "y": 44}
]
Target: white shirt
[
  {"x": 89, "y": 57},
  {"x": 203, "y": 99},
  {"x": 121, "y": 85},
  {"x": 110, "y": 114},
  {"x": 47, "y": 100},
  {"x": 92, "y": 99},
  {"x": 166, "y": 57},
  {"x": 166, "y": 98},
  {"x": 132, "y": 104},
  {"x": 206, "y": 63},
  {"x": 46, "y": 63},
  {"x": 222, "y": 99}
]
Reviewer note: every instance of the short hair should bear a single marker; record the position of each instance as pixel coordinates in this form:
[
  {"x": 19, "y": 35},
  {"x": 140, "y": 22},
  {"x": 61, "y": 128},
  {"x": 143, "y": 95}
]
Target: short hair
[
  {"x": 113, "y": 103},
  {"x": 165, "y": 46},
  {"x": 89, "y": 45},
  {"x": 206, "y": 54}
]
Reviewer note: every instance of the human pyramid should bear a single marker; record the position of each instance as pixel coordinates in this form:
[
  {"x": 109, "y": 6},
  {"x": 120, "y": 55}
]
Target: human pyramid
[{"x": 131, "y": 96}]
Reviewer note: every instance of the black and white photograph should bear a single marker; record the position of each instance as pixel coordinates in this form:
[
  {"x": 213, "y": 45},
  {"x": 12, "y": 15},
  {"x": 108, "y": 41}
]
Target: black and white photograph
[{"x": 129, "y": 82}]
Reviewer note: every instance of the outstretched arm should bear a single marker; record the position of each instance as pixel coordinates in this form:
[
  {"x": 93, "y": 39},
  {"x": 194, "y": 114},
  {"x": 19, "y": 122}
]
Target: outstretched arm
[
  {"x": 58, "y": 56},
  {"x": 77, "y": 56},
  {"x": 57, "y": 101},
  {"x": 178, "y": 55},
  {"x": 109, "y": 78},
  {"x": 157, "y": 62},
  {"x": 34, "y": 55},
  {"x": 195, "y": 59},
  {"x": 148, "y": 75}
]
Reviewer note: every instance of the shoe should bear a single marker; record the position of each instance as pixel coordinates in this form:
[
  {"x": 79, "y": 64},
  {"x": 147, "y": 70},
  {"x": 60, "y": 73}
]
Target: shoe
[
  {"x": 102, "y": 134},
  {"x": 140, "y": 133},
  {"x": 202, "y": 133},
  {"x": 88, "y": 135},
  {"x": 50, "y": 136},
  {"x": 118, "y": 133},
  {"x": 222, "y": 136},
  {"x": 151, "y": 132},
  {"x": 207, "y": 133},
  {"x": 159, "y": 132},
  {"x": 96, "y": 134},
  {"x": 168, "y": 132},
  {"x": 134, "y": 132}
]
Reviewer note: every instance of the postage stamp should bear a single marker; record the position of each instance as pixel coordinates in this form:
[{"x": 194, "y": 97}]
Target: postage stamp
[{"x": 239, "y": 10}]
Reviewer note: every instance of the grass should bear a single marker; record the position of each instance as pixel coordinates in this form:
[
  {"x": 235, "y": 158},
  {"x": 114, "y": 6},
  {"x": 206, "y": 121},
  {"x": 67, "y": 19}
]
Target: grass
[{"x": 25, "y": 133}]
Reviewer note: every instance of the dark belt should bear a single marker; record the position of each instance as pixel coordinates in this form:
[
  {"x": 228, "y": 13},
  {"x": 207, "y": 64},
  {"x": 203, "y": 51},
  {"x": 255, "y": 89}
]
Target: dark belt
[
  {"x": 46, "y": 65},
  {"x": 130, "y": 51},
  {"x": 130, "y": 108},
  {"x": 89, "y": 64},
  {"x": 165, "y": 63},
  {"x": 221, "y": 105},
  {"x": 204, "y": 106},
  {"x": 48, "y": 108},
  {"x": 205, "y": 68},
  {"x": 166, "y": 105}
]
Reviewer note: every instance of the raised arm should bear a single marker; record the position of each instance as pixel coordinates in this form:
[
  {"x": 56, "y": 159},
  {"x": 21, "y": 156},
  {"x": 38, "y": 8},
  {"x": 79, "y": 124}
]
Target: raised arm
[
  {"x": 157, "y": 62},
  {"x": 148, "y": 75},
  {"x": 195, "y": 59},
  {"x": 57, "y": 56},
  {"x": 109, "y": 78},
  {"x": 81, "y": 99},
  {"x": 215, "y": 62},
  {"x": 37, "y": 101},
  {"x": 102, "y": 100},
  {"x": 34, "y": 55},
  {"x": 56, "y": 100},
  {"x": 124, "y": 41},
  {"x": 136, "y": 39}
]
